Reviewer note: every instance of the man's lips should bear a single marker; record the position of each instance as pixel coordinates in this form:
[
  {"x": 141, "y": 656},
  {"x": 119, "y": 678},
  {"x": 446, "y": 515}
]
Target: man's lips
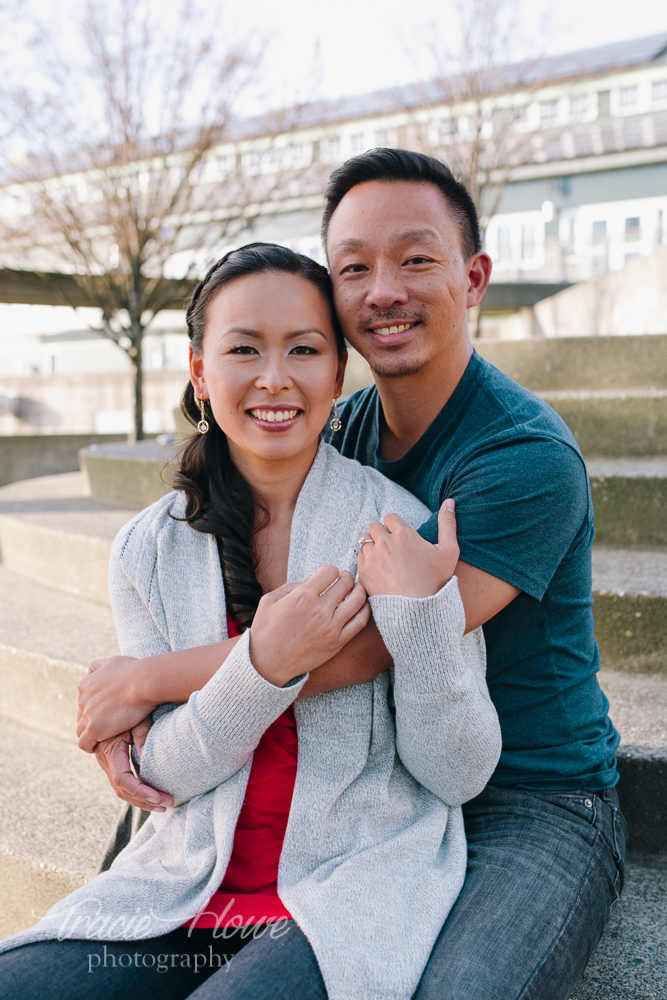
[{"x": 389, "y": 329}]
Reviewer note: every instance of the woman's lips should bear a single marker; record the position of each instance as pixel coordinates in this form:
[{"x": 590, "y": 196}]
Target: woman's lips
[{"x": 273, "y": 419}]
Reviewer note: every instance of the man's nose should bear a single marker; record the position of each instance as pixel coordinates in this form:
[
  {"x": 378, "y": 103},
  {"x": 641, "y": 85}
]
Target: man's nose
[{"x": 387, "y": 289}]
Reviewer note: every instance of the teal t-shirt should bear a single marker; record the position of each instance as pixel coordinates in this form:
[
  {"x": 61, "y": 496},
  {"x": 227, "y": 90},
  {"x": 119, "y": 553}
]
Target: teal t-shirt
[{"x": 524, "y": 513}]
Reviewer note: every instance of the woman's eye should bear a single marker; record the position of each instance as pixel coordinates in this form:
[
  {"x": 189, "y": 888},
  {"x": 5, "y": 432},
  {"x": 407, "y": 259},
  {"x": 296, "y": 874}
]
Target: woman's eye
[
  {"x": 244, "y": 349},
  {"x": 303, "y": 349}
]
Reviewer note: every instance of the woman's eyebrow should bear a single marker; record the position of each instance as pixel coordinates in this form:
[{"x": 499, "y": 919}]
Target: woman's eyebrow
[{"x": 257, "y": 334}]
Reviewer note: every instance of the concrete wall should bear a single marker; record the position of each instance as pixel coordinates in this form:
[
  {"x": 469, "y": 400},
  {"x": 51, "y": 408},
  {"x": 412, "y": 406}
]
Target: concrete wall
[
  {"x": 27, "y": 456},
  {"x": 630, "y": 301},
  {"x": 91, "y": 404}
]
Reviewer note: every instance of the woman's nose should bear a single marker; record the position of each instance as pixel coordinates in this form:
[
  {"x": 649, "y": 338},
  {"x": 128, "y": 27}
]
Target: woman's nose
[{"x": 274, "y": 376}]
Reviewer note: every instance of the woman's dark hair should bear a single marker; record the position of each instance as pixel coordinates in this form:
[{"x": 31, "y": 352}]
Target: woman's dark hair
[
  {"x": 393, "y": 165},
  {"x": 219, "y": 500}
]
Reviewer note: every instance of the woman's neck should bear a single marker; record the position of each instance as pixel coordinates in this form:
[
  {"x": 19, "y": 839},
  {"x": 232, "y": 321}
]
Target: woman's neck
[{"x": 278, "y": 482}]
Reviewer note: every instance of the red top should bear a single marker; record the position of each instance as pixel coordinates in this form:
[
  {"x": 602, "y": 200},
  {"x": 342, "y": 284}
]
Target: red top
[{"x": 248, "y": 894}]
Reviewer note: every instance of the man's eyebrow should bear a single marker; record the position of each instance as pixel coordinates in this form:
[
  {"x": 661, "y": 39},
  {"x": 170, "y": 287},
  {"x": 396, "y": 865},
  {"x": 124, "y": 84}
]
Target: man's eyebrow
[{"x": 353, "y": 245}]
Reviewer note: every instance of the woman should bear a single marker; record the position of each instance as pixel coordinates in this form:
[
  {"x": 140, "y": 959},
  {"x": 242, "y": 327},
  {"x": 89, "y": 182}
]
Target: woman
[{"x": 371, "y": 847}]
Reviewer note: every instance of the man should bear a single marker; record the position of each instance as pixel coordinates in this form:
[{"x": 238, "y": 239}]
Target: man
[{"x": 546, "y": 838}]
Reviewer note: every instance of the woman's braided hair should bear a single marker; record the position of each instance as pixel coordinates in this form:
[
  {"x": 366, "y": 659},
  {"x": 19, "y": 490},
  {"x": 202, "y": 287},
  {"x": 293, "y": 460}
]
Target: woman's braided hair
[{"x": 219, "y": 500}]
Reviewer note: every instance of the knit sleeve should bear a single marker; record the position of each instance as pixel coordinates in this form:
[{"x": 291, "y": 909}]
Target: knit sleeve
[
  {"x": 193, "y": 748},
  {"x": 447, "y": 729}
]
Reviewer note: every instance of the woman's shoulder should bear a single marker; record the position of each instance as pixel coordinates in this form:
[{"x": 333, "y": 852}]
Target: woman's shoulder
[
  {"x": 387, "y": 496},
  {"x": 143, "y": 532}
]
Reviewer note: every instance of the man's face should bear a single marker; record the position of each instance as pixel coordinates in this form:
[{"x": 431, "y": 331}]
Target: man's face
[{"x": 401, "y": 281}]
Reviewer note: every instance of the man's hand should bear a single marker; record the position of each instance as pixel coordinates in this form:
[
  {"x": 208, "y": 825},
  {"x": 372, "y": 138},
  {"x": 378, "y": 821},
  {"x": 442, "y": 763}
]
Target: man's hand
[
  {"x": 397, "y": 560},
  {"x": 113, "y": 756},
  {"x": 108, "y": 702}
]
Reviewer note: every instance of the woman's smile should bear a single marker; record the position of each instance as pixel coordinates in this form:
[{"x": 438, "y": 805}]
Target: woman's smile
[{"x": 275, "y": 418}]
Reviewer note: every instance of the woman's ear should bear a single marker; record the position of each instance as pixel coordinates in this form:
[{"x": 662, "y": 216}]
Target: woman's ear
[
  {"x": 340, "y": 374},
  {"x": 196, "y": 375}
]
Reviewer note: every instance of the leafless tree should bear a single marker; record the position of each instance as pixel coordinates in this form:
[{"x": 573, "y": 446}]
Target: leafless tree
[
  {"x": 128, "y": 176},
  {"x": 487, "y": 134}
]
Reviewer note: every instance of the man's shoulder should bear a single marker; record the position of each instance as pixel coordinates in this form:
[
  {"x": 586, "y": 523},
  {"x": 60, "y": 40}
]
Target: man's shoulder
[{"x": 518, "y": 412}]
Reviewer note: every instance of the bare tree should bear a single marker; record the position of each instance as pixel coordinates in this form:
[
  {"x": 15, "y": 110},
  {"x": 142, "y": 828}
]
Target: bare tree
[
  {"x": 487, "y": 88},
  {"x": 130, "y": 176}
]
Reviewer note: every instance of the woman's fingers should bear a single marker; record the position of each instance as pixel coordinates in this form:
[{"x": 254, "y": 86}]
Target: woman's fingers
[{"x": 351, "y": 605}]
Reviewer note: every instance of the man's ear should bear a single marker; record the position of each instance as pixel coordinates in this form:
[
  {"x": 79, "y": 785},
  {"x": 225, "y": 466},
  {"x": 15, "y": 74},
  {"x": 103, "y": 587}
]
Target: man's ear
[
  {"x": 479, "y": 274},
  {"x": 340, "y": 373}
]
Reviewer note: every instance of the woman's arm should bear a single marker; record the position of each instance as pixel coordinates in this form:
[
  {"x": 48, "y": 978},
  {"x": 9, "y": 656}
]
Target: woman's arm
[
  {"x": 447, "y": 730},
  {"x": 194, "y": 747}
]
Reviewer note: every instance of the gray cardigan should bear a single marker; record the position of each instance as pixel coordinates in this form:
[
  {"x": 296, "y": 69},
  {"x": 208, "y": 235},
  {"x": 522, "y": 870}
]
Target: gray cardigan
[{"x": 374, "y": 853}]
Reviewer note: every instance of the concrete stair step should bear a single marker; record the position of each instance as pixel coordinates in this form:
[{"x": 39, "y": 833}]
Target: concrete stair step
[
  {"x": 570, "y": 363},
  {"x": 630, "y": 500},
  {"x": 134, "y": 475},
  {"x": 614, "y": 423},
  {"x": 638, "y": 709},
  {"x": 630, "y": 591},
  {"x": 53, "y": 533},
  {"x": 631, "y": 960},
  {"x": 56, "y": 812},
  {"x": 47, "y": 640}
]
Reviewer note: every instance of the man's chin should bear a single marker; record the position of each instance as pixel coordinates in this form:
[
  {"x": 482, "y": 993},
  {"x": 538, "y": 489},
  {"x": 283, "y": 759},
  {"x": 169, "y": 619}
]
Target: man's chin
[{"x": 396, "y": 368}]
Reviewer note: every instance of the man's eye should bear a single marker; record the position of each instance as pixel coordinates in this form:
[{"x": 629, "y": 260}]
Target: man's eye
[
  {"x": 243, "y": 349},
  {"x": 354, "y": 269},
  {"x": 417, "y": 259}
]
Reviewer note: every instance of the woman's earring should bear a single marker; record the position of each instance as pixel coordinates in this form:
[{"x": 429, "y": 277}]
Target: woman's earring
[
  {"x": 203, "y": 424},
  {"x": 335, "y": 423}
]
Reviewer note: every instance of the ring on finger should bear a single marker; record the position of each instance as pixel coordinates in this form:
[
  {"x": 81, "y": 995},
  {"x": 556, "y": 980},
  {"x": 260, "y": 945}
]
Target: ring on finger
[{"x": 365, "y": 541}]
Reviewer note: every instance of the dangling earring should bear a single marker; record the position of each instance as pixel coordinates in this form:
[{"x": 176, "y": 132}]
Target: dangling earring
[
  {"x": 203, "y": 424},
  {"x": 335, "y": 423}
]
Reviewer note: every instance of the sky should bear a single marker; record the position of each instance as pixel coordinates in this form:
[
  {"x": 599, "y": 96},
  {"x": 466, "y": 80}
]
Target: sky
[{"x": 330, "y": 49}]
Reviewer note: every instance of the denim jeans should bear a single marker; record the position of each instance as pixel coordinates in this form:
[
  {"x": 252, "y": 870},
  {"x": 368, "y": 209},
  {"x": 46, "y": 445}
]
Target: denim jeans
[
  {"x": 545, "y": 869},
  {"x": 544, "y": 872}
]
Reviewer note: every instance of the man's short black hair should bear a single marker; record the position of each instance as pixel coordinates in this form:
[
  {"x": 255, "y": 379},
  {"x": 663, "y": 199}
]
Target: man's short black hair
[{"x": 404, "y": 165}]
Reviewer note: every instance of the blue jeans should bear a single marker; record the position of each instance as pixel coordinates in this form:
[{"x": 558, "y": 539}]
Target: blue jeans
[
  {"x": 544, "y": 872},
  {"x": 545, "y": 869}
]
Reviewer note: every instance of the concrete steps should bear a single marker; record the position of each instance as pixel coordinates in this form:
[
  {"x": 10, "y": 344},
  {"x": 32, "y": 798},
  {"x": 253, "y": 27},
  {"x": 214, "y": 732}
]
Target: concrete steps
[
  {"x": 630, "y": 500},
  {"x": 614, "y": 423},
  {"x": 47, "y": 640},
  {"x": 56, "y": 812},
  {"x": 631, "y": 960},
  {"x": 53, "y": 533}
]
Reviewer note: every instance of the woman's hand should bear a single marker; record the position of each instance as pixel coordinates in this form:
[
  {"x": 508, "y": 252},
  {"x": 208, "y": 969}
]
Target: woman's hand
[
  {"x": 302, "y": 625},
  {"x": 109, "y": 702},
  {"x": 396, "y": 560}
]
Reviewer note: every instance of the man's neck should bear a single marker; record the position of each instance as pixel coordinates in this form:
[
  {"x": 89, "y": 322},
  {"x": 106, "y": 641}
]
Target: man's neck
[{"x": 411, "y": 403}]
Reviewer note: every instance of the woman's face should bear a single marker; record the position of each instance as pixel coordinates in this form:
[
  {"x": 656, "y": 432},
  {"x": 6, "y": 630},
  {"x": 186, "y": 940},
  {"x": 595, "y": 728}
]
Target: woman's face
[{"x": 269, "y": 364}]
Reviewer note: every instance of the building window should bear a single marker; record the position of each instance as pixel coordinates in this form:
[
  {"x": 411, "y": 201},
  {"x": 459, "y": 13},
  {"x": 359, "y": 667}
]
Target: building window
[
  {"x": 447, "y": 127},
  {"x": 504, "y": 251},
  {"x": 357, "y": 142},
  {"x": 548, "y": 111},
  {"x": 255, "y": 160},
  {"x": 527, "y": 242},
  {"x": 275, "y": 156},
  {"x": 298, "y": 152},
  {"x": 332, "y": 148},
  {"x": 600, "y": 231},
  {"x": 659, "y": 92},
  {"x": 632, "y": 229},
  {"x": 627, "y": 97},
  {"x": 381, "y": 137},
  {"x": 579, "y": 106},
  {"x": 519, "y": 114}
]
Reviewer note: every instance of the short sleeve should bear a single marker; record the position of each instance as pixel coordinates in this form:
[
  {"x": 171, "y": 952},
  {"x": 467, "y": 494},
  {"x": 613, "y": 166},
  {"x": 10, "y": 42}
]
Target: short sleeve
[{"x": 519, "y": 508}]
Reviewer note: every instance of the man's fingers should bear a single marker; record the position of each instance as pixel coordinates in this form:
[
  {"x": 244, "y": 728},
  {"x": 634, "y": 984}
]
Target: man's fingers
[
  {"x": 147, "y": 797},
  {"x": 447, "y": 521}
]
